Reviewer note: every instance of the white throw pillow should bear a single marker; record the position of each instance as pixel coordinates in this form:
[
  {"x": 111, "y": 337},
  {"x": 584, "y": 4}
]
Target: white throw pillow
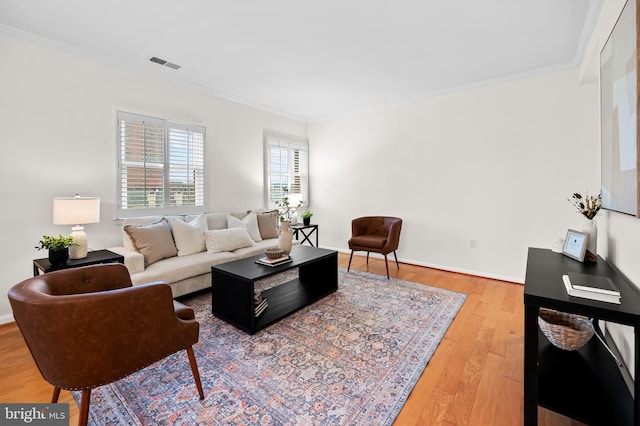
[
  {"x": 227, "y": 239},
  {"x": 249, "y": 222},
  {"x": 189, "y": 237}
]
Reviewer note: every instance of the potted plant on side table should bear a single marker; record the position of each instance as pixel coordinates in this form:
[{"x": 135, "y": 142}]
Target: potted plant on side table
[
  {"x": 306, "y": 217},
  {"x": 58, "y": 248}
]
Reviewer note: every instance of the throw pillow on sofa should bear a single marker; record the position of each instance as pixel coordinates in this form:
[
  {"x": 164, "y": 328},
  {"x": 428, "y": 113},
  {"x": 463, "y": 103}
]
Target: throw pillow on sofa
[
  {"x": 268, "y": 224},
  {"x": 189, "y": 237},
  {"x": 227, "y": 239},
  {"x": 249, "y": 222},
  {"x": 154, "y": 241}
]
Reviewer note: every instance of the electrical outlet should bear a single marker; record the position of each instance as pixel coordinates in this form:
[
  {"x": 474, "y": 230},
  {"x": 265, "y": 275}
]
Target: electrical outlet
[{"x": 473, "y": 243}]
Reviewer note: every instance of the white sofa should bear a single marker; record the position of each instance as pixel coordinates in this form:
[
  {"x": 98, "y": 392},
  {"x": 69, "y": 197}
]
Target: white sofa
[{"x": 180, "y": 250}]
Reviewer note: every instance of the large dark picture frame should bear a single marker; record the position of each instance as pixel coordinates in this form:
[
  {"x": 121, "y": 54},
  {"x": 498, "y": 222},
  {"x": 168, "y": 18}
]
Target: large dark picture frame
[{"x": 619, "y": 114}]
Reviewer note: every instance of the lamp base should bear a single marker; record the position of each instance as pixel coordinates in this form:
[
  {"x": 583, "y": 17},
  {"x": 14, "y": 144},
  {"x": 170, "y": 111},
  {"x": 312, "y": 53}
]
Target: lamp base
[{"x": 79, "y": 249}]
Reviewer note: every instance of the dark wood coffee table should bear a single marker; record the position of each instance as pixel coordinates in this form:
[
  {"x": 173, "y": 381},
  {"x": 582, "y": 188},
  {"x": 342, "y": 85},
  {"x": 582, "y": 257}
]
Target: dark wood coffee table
[{"x": 233, "y": 287}]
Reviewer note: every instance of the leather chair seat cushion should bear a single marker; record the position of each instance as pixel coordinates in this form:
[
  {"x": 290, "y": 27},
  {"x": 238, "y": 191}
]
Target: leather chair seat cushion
[{"x": 372, "y": 241}]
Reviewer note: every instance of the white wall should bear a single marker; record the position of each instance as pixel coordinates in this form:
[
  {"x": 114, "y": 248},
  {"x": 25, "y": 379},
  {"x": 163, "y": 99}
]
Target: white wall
[
  {"x": 58, "y": 139},
  {"x": 494, "y": 164}
]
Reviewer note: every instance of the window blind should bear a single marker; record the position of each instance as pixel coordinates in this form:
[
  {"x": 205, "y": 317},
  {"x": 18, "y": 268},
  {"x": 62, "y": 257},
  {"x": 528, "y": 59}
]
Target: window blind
[
  {"x": 161, "y": 166},
  {"x": 287, "y": 164}
]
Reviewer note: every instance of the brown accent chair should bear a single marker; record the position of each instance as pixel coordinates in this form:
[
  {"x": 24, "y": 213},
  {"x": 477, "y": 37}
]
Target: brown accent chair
[
  {"x": 377, "y": 234},
  {"x": 88, "y": 326}
]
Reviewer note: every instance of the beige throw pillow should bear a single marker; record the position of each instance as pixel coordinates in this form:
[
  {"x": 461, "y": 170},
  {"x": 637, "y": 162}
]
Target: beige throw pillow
[
  {"x": 268, "y": 224},
  {"x": 249, "y": 222},
  {"x": 153, "y": 241},
  {"x": 227, "y": 239},
  {"x": 189, "y": 237}
]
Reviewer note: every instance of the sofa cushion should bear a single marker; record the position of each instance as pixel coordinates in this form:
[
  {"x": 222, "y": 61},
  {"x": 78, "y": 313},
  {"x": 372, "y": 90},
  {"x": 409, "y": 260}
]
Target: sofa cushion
[
  {"x": 189, "y": 237},
  {"x": 177, "y": 268},
  {"x": 268, "y": 224},
  {"x": 220, "y": 240},
  {"x": 154, "y": 241},
  {"x": 249, "y": 222}
]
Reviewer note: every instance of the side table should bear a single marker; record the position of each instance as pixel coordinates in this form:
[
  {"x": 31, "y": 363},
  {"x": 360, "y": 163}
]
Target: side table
[
  {"x": 42, "y": 266},
  {"x": 307, "y": 231}
]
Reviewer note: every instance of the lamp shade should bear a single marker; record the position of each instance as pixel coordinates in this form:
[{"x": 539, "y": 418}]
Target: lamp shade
[{"x": 76, "y": 210}]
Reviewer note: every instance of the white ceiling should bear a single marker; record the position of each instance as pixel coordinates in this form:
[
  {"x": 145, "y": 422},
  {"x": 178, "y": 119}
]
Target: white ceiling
[{"x": 318, "y": 59}]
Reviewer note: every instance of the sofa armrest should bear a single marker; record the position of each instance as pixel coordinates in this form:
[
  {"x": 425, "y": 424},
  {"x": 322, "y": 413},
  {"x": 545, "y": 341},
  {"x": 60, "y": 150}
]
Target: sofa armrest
[{"x": 133, "y": 260}]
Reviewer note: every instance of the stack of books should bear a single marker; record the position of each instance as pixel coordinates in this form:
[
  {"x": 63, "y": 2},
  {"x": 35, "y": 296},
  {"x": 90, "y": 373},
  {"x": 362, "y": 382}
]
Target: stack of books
[
  {"x": 259, "y": 304},
  {"x": 594, "y": 287},
  {"x": 274, "y": 262}
]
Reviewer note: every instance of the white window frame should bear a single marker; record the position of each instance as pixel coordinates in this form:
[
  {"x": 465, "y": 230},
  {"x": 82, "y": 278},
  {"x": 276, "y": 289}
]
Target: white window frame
[
  {"x": 289, "y": 144},
  {"x": 195, "y": 138}
]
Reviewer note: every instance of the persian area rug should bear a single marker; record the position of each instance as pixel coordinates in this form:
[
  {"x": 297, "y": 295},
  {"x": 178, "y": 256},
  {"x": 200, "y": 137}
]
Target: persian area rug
[{"x": 351, "y": 358}]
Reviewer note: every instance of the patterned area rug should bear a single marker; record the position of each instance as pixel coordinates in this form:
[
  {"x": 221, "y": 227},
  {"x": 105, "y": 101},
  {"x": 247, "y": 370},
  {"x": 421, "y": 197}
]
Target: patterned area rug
[{"x": 351, "y": 358}]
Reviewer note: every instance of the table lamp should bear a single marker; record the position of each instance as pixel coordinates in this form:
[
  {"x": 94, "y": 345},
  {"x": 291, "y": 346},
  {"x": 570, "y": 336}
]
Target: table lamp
[{"x": 76, "y": 211}]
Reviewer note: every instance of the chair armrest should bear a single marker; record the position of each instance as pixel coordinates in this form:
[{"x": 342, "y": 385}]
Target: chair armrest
[{"x": 133, "y": 260}]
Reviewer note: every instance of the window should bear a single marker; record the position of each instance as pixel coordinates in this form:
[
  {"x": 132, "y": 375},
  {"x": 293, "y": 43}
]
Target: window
[
  {"x": 286, "y": 168},
  {"x": 161, "y": 166}
]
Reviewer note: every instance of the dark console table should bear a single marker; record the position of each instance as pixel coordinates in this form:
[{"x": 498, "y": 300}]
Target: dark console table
[
  {"x": 307, "y": 231},
  {"x": 233, "y": 287},
  {"x": 586, "y": 384}
]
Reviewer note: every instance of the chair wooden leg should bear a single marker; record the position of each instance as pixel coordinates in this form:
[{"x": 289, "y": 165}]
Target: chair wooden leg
[
  {"x": 350, "y": 257},
  {"x": 387, "y": 265},
  {"x": 397, "y": 264},
  {"x": 83, "y": 417},
  {"x": 194, "y": 370},
  {"x": 56, "y": 395},
  {"x": 367, "y": 258}
]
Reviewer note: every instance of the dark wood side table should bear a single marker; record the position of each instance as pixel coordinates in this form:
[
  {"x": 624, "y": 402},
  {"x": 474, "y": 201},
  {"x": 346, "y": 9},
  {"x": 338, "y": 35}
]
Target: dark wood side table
[
  {"x": 305, "y": 234},
  {"x": 42, "y": 266},
  {"x": 586, "y": 384}
]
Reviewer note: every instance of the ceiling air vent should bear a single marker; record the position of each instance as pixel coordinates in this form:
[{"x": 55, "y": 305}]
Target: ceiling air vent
[{"x": 165, "y": 63}]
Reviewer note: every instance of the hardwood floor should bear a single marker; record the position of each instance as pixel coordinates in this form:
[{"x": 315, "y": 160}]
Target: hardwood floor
[{"x": 474, "y": 377}]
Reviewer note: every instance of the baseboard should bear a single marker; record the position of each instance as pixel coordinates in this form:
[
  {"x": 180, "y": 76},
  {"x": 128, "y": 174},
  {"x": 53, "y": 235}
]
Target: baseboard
[
  {"x": 519, "y": 280},
  {"x": 4, "y": 319}
]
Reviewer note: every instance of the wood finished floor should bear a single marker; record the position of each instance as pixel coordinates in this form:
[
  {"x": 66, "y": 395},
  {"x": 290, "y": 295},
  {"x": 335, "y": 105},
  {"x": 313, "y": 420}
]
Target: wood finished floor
[{"x": 474, "y": 377}]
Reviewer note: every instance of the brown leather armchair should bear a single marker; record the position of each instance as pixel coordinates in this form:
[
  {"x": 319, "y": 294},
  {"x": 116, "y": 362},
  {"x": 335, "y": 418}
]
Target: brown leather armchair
[
  {"x": 88, "y": 326},
  {"x": 378, "y": 234}
]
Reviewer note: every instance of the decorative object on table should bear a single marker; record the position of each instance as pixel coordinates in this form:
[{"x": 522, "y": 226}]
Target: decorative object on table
[
  {"x": 306, "y": 217},
  {"x": 565, "y": 331},
  {"x": 611, "y": 297},
  {"x": 589, "y": 206},
  {"x": 76, "y": 211},
  {"x": 557, "y": 245},
  {"x": 273, "y": 252},
  {"x": 58, "y": 248},
  {"x": 285, "y": 238},
  {"x": 575, "y": 245},
  {"x": 288, "y": 205},
  {"x": 274, "y": 262}
]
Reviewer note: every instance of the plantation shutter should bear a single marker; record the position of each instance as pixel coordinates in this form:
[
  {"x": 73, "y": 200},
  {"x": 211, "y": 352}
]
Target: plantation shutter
[
  {"x": 141, "y": 161},
  {"x": 186, "y": 166},
  {"x": 287, "y": 170},
  {"x": 161, "y": 166}
]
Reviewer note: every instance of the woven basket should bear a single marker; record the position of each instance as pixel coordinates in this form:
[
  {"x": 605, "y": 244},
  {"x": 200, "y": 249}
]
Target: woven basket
[{"x": 565, "y": 331}]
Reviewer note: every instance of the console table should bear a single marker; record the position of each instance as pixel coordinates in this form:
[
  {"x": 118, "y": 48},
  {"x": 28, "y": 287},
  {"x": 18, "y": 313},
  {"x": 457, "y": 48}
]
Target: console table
[
  {"x": 586, "y": 384},
  {"x": 95, "y": 257}
]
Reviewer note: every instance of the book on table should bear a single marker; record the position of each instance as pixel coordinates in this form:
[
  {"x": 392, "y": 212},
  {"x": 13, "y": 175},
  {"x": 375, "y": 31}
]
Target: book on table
[
  {"x": 274, "y": 262},
  {"x": 593, "y": 295},
  {"x": 595, "y": 283},
  {"x": 260, "y": 307}
]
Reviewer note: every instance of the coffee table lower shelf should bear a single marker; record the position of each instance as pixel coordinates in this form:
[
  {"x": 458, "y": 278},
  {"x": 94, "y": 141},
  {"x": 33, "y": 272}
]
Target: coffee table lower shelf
[{"x": 233, "y": 287}]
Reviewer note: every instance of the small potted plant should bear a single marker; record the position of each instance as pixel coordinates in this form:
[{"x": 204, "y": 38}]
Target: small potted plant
[
  {"x": 58, "y": 248},
  {"x": 306, "y": 217}
]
